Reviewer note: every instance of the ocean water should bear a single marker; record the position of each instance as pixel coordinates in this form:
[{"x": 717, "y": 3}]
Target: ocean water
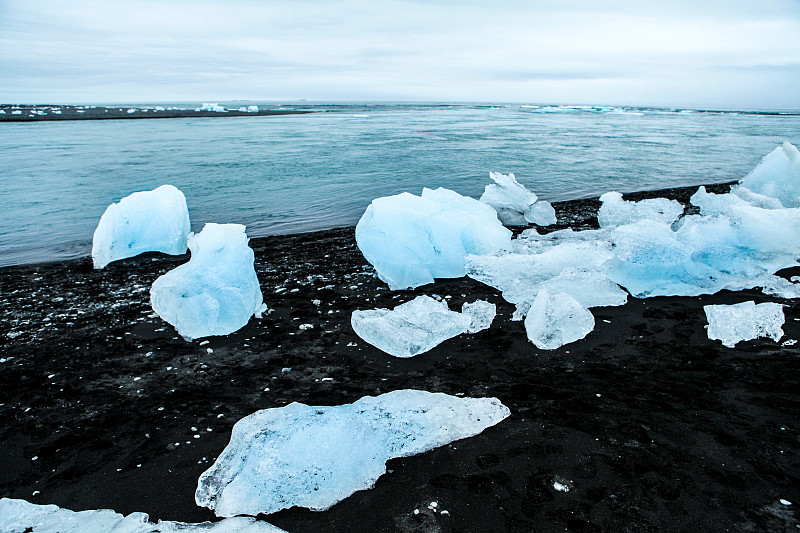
[{"x": 297, "y": 173}]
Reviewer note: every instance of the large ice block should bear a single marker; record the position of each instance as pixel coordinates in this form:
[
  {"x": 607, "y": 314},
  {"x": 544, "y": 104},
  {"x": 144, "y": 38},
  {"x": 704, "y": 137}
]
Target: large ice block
[
  {"x": 743, "y": 322},
  {"x": 147, "y": 221},
  {"x": 557, "y": 319},
  {"x": 615, "y": 211},
  {"x": 410, "y": 240},
  {"x": 515, "y": 204},
  {"x": 217, "y": 291},
  {"x": 777, "y": 175},
  {"x": 18, "y": 516},
  {"x": 417, "y": 326},
  {"x": 307, "y": 456}
]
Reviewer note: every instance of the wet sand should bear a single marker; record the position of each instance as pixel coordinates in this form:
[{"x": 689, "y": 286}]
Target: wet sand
[
  {"x": 39, "y": 113},
  {"x": 648, "y": 423}
]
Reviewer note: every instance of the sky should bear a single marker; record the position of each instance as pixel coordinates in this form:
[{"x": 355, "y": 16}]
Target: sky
[{"x": 741, "y": 54}]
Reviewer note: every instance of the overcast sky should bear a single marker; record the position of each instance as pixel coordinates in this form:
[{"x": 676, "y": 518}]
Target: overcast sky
[{"x": 712, "y": 53}]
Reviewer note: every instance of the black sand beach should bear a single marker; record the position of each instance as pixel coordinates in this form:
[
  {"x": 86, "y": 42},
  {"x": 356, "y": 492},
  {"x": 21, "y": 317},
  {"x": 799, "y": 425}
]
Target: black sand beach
[
  {"x": 648, "y": 423},
  {"x": 39, "y": 113}
]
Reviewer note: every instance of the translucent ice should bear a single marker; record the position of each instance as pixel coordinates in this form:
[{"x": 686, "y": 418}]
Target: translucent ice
[
  {"x": 417, "y": 326},
  {"x": 481, "y": 314},
  {"x": 410, "y": 240},
  {"x": 743, "y": 322},
  {"x": 147, "y": 221},
  {"x": 217, "y": 291},
  {"x": 515, "y": 204},
  {"x": 299, "y": 455},
  {"x": 616, "y": 212},
  {"x": 557, "y": 319},
  {"x": 18, "y": 516},
  {"x": 778, "y": 175}
]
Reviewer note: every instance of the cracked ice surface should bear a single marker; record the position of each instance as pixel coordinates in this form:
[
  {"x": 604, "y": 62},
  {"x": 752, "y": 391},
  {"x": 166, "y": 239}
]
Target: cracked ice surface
[
  {"x": 417, "y": 326},
  {"x": 743, "y": 322},
  {"x": 217, "y": 291},
  {"x": 146, "y": 221},
  {"x": 18, "y": 516},
  {"x": 306, "y": 456}
]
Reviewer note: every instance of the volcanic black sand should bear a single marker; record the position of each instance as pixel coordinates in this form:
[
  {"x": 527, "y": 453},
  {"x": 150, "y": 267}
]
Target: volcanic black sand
[
  {"x": 39, "y": 113},
  {"x": 648, "y": 423}
]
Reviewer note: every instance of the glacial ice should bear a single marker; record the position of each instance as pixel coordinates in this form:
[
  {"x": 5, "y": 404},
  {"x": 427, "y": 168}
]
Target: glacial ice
[
  {"x": 515, "y": 204},
  {"x": 743, "y": 322},
  {"x": 217, "y": 291},
  {"x": 615, "y": 211},
  {"x": 212, "y": 107},
  {"x": 419, "y": 325},
  {"x": 556, "y": 319},
  {"x": 19, "y": 516},
  {"x": 147, "y": 221},
  {"x": 777, "y": 175},
  {"x": 314, "y": 457},
  {"x": 410, "y": 240}
]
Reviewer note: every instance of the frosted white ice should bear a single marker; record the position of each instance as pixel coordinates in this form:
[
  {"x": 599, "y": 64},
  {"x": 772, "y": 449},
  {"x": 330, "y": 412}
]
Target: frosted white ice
[
  {"x": 417, "y": 326},
  {"x": 743, "y": 322},
  {"x": 146, "y": 221},
  {"x": 19, "y": 516},
  {"x": 410, "y": 240},
  {"x": 217, "y": 291},
  {"x": 615, "y": 211},
  {"x": 212, "y": 107},
  {"x": 481, "y": 314},
  {"x": 306, "y": 456},
  {"x": 557, "y": 319},
  {"x": 515, "y": 204},
  {"x": 780, "y": 287},
  {"x": 777, "y": 175}
]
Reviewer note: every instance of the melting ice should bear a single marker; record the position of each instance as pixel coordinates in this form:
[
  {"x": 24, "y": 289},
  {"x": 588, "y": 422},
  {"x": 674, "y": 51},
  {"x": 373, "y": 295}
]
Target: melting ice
[
  {"x": 306, "y": 456},
  {"x": 743, "y": 322}
]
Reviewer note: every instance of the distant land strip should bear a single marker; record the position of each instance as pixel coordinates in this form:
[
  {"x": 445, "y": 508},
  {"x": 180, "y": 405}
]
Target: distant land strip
[{"x": 38, "y": 113}]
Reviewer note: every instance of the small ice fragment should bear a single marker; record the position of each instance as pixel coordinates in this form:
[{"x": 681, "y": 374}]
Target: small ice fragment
[
  {"x": 744, "y": 321},
  {"x": 481, "y": 314},
  {"x": 304, "y": 327},
  {"x": 785, "y": 502},
  {"x": 557, "y": 319},
  {"x": 515, "y": 204},
  {"x": 560, "y": 487},
  {"x": 789, "y": 342},
  {"x": 275, "y": 459}
]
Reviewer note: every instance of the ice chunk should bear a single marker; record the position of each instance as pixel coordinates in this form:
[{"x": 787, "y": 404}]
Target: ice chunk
[
  {"x": 410, "y": 240},
  {"x": 725, "y": 204},
  {"x": 411, "y": 328},
  {"x": 777, "y": 175},
  {"x": 743, "y": 322},
  {"x": 252, "y": 109},
  {"x": 147, "y": 221},
  {"x": 617, "y": 212},
  {"x": 17, "y": 516},
  {"x": 212, "y": 107},
  {"x": 481, "y": 314},
  {"x": 217, "y": 291},
  {"x": 516, "y": 205},
  {"x": 316, "y": 456},
  {"x": 780, "y": 287},
  {"x": 557, "y": 319}
]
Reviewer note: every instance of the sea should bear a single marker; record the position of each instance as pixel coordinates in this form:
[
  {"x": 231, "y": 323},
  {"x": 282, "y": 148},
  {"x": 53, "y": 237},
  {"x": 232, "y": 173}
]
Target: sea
[{"x": 300, "y": 173}]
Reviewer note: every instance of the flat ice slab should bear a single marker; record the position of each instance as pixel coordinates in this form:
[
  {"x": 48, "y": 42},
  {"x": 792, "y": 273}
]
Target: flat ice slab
[
  {"x": 18, "y": 516},
  {"x": 410, "y": 240},
  {"x": 146, "y": 221},
  {"x": 557, "y": 319},
  {"x": 515, "y": 204},
  {"x": 217, "y": 291},
  {"x": 305, "y": 456},
  {"x": 417, "y": 326},
  {"x": 743, "y": 322}
]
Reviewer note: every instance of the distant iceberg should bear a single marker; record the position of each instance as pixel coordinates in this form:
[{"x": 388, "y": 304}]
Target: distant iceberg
[
  {"x": 217, "y": 291},
  {"x": 315, "y": 456},
  {"x": 410, "y": 240},
  {"x": 147, "y": 221}
]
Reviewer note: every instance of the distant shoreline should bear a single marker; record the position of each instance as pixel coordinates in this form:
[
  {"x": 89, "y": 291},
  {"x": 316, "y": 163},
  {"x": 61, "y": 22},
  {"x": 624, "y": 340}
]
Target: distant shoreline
[{"x": 40, "y": 113}]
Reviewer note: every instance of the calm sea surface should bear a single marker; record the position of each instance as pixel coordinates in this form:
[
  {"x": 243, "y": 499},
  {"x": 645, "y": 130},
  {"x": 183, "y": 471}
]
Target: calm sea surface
[{"x": 296, "y": 173}]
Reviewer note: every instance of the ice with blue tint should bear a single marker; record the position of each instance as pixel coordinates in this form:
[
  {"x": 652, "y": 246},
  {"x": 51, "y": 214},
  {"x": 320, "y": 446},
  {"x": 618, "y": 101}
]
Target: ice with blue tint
[
  {"x": 777, "y": 175},
  {"x": 20, "y": 516},
  {"x": 410, "y": 240},
  {"x": 745, "y": 321},
  {"x": 556, "y": 319},
  {"x": 419, "y": 325},
  {"x": 515, "y": 204},
  {"x": 217, "y": 291},
  {"x": 146, "y": 221},
  {"x": 615, "y": 211},
  {"x": 307, "y": 456}
]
